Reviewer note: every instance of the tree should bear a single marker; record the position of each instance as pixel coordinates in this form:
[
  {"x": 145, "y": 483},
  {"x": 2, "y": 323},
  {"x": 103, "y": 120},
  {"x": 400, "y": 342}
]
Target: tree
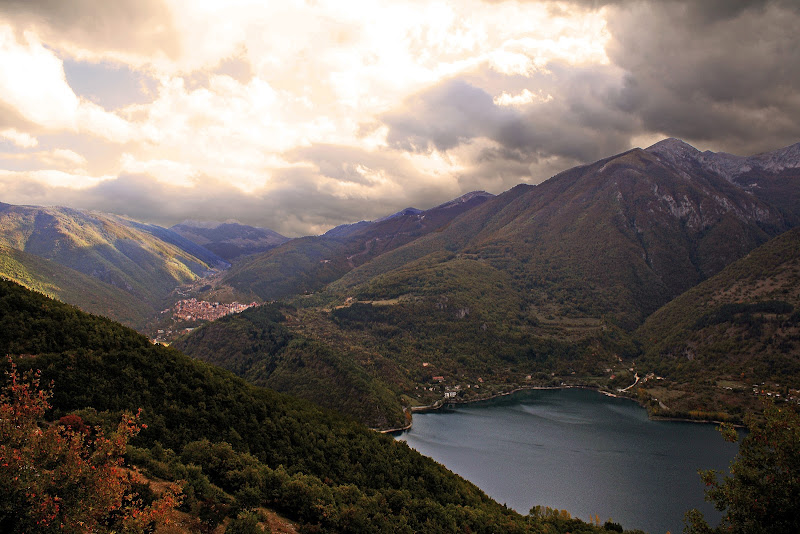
[
  {"x": 66, "y": 477},
  {"x": 761, "y": 493},
  {"x": 245, "y": 523}
]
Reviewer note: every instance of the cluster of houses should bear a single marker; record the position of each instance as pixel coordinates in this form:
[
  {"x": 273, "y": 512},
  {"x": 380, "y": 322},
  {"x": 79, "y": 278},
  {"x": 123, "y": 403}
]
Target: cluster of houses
[
  {"x": 789, "y": 395},
  {"x": 193, "y": 310},
  {"x": 201, "y": 310},
  {"x": 450, "y": 391}
]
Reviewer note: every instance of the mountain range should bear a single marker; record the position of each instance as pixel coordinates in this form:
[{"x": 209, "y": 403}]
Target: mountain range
[
  {"x": 134, "y": 265},
  {"x": 563, "y": 282},
  {"x": 307, "y": 264},
  {"x": 229, "y": 240},
  {"x": 539, "y": 285}
]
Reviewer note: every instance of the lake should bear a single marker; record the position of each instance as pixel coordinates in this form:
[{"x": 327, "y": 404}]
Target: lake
[{"x": 580, "y": 451}]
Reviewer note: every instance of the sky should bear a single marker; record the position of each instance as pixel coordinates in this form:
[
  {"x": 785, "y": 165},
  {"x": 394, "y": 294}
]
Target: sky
[{"x": 302, "y": 115}]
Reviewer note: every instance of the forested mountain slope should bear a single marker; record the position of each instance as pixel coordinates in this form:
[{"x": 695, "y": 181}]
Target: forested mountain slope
[
  {"x": 237, "y": 446},
  {"x": 737, "y": 329},
  {"x": 144, "y": 261},
  {"x": 619, "y": 237},
  {"x": 229, "y": 240},
  {"x": 307, "y": 264},
  {"x": 257, "y": 345},
  {"x": 69, "y": 285}
]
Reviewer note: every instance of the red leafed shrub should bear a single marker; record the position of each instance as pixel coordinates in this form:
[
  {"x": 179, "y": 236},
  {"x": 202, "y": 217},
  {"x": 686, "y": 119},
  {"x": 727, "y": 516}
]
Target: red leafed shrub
[
  {"x": 62, "y": 477},
  {"x": 74, "y": 423}
]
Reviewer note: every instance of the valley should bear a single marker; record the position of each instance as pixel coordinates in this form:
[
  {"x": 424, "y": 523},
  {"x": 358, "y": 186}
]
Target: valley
[
  {"x": 486, "y": 305},
  {"x": 624, "y": 268},
  {"x": 319, "y": 267},
  {"x": 654, "y": 275}
]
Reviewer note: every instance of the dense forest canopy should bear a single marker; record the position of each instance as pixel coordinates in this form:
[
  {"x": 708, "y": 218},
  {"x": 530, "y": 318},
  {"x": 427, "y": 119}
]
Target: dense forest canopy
[{"x": 238, "y": 446}]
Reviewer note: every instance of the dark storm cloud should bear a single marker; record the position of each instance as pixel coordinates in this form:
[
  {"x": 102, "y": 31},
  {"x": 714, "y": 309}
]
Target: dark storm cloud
[
  {"x": 728, "y": 75},
  {"x": 306, "y": 208},
  {"x": 350, "y": 164},
  {"x": 445, "y": 116},
  {"x": 575, "y": 125},
  {"x": 722, "y": 74},
  {"x": 142, "y": 26},
  {"x": 295, "y": 207},
  {"x": 699, "y": 11},
  {"x": 369, "y": 169}
]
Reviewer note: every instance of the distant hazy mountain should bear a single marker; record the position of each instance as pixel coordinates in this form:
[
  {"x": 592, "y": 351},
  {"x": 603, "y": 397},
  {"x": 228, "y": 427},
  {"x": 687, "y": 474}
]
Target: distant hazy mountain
[
  {"x": 145, "y": 262},
  {"x": 307, "y": 264},
  {"x": 229, "y": 240}
]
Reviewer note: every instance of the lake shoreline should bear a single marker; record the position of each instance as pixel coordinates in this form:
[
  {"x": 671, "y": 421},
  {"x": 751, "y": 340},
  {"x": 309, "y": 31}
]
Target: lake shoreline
[
  {"x": 442, "y": 403},
  {"x": 574, "y": 450}
]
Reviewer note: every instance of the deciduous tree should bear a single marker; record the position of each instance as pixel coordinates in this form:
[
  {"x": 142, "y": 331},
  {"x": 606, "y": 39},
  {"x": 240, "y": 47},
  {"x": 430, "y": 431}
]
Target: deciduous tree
[
  {"x": 761, "y": 493},
  {"x": 65, "y": 477}
]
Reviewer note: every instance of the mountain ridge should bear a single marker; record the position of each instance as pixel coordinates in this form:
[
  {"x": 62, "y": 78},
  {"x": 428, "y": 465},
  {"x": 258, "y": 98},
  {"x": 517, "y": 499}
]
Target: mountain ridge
[
  {"x": 632, "y": 209},
  {"x": 738, "y": 328},
  {"x": 230, "y": 239},
  {"x": 145, "y": 261},
  {"x": 307, "y": 264},
  {"x": 234, "y": 446}
]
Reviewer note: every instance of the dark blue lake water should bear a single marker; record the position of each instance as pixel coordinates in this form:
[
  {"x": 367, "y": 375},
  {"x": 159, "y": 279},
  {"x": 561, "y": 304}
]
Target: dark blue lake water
[{"x": 580, "y": 451}]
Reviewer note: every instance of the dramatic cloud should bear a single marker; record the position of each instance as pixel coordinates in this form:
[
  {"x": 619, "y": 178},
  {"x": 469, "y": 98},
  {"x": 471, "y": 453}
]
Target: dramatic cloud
[
  {"x": 139, "y": 27},
  {"x": 726, "y": 74},
  {"x": 576, "y": 123},
  {"x": 303, "y": 115},
  {"x": 517, "y": 137},
  {"x": 284, "y": 208}
]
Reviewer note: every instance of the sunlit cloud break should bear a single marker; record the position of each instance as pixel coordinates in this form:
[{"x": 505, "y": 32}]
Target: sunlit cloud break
[{"x": 303, "y": 115}]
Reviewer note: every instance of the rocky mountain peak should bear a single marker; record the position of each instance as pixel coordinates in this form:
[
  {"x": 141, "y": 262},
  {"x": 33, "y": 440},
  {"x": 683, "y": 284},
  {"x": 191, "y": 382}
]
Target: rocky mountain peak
[
  {"x": 401, "y": 213},
  {"x": 672, "y": 146},
  {"x": 729, "y": 166},
  {"x": 675, "y": 151},
  {"x": 465, "y": 198},
  {"x": 779, "y": 160}
]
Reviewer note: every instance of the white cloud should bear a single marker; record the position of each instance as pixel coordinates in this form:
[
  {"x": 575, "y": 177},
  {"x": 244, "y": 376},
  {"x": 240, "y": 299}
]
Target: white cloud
[
  {"x": 15, "y": 185},
  {"x": 60, "y": 159},
  {"x": 525, "y": 97},
  {"x": 163, "y": 170},
  {"x": 245, "y": 92},
  {"x": 32, "y": 82},
  {"x": 319, "y": 71},
  {"x": 20, "y": 139},
  {"x": 68, "y": 156}
]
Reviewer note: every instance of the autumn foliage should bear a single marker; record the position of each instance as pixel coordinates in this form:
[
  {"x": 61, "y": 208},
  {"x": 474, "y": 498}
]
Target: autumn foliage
[{"x": 65, "y": 476}]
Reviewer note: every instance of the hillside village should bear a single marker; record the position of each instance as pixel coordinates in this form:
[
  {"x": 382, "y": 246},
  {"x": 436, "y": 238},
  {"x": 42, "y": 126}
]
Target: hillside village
[
  {"x": 185, "y": 314},
  {"x": 201, "y": 310}
]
